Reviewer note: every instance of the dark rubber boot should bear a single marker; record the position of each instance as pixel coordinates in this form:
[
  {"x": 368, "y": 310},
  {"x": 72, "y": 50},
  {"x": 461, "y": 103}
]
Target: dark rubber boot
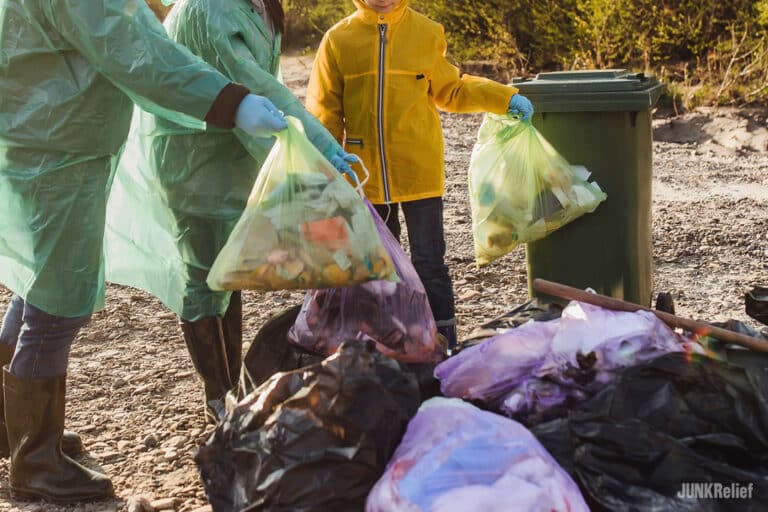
[
  {"x": 206, "y": 346},
  {"x": 215, "y": 346},
  {"x": 39, "y": 469},
  {"x": 71, "y": 444}
]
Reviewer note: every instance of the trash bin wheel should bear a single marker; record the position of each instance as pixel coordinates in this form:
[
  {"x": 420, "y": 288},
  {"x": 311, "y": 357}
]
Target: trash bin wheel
[{"x": 665, "y": 303}]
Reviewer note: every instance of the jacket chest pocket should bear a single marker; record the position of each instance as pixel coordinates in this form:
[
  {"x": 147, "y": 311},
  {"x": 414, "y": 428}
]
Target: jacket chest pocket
[
  {"x": 409, "y": 84},
  {"x": 354, "y": 142}
]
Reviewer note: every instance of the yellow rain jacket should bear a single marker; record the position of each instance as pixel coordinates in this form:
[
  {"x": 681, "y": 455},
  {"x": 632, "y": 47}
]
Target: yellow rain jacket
[{"x": 376, "y": 84}]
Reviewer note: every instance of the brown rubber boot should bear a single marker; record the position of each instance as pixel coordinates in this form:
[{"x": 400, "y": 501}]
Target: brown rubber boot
[
  {"x": 71, "y": 444},
  {"x": 39, "y": 469},
  {"x": 206, "y": 346},
  {"x": 215, "y": 346}
]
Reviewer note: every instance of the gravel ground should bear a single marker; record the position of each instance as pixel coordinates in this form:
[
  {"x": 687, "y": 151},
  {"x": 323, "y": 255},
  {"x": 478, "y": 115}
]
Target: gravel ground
[{"x": 133, "y": 395}]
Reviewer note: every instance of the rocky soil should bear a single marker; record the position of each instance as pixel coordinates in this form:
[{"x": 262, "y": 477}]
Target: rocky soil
[{"x": 135, "y": 400}]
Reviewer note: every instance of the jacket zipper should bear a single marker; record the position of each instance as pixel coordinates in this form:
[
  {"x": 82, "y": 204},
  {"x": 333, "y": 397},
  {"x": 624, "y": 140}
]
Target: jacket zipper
[
  {"x": 276, "y": 46},
  {"x": 261, "y": 26},
  {"x": 380, "y": 111}
]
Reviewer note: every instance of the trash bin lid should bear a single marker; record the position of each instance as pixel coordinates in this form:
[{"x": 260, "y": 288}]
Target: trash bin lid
[{"x": 591, "y": 90}]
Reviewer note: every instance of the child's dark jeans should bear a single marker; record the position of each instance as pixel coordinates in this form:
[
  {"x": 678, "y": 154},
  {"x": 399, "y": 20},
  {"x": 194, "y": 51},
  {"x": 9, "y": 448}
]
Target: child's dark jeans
[{"x": 426, "y": 238}]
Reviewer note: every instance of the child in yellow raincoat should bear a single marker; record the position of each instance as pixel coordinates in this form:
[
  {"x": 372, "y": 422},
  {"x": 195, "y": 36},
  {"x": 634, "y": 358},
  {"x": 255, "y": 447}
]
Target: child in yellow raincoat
[{"x": 379, "y": 77}]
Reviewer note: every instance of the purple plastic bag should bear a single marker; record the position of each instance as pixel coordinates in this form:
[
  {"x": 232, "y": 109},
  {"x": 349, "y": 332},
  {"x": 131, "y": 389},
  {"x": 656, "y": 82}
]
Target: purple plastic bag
[
  {"x": 486, "y": 372},
  {"x": 457, "y": 458},
  {"x": 539, "y": 370},
  {"x": 396, "y": 316}
]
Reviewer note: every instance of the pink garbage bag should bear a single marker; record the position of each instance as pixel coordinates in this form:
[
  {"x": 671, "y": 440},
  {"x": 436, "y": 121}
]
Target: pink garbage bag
[
  {"x": 486, "y": 372},
  {"x": 457, "y": 458},
  {"x": 539, "y": 370},
  {"x": 395, "y": 315}
]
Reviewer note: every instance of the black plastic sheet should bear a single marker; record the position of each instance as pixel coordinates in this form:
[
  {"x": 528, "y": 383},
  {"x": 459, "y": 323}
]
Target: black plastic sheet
[
  {"x": 270, "y": 351},
  {"x": 535, "y": 309},
  {"x": 734, "y": 353},
  {"x": 679, "y": 419},
  {"x": 315, "y": 439}
]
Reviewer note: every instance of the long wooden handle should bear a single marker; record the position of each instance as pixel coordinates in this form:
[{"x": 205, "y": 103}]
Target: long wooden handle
[{"x": 701, "y": 328}]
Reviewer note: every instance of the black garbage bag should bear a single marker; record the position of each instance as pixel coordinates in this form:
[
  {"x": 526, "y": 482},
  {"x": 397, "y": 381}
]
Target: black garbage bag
[
  {"x": 733, "y": 353},
  {"x": 271, "y": 352},
  {"x": 739, "y": 327},
  {"x": 756, "y": 304},
  {"x": 535, "y": 309},
  {"x": 677, "y": 420},
  {"x": 315, "y": 439}
]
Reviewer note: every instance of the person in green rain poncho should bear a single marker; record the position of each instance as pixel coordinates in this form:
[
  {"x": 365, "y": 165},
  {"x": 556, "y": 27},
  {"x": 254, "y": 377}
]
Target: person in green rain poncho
[
  {"x": 70, "y": 72},
  {"x": 178, "y": 193}
]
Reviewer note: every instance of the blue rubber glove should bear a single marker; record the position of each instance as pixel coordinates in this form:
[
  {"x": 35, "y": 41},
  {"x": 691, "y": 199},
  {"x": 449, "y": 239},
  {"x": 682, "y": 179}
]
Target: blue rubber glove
[
  {"x": 341, "y": 161},
  {"x": 258, "y": 117},
  {"x": 520, "y": 106}
]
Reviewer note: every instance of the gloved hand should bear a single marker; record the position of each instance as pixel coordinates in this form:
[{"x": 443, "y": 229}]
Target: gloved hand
[
  {"x": 520, "y": 106},
  {"x": 257, "y": 116},
  {"x": 341, "y": 161}
]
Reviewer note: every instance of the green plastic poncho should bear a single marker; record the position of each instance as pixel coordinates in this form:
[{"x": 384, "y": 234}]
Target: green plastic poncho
[
  {"x": 69, "y": 71},
  {"x": 178, "y": 192}
]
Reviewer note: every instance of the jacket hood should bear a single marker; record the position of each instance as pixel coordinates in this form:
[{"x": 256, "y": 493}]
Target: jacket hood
[{"x": 371, "y": 16}]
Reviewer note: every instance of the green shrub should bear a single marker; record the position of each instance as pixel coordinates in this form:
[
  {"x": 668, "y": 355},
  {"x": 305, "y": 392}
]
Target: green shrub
[{"x": 717, "y": 48}]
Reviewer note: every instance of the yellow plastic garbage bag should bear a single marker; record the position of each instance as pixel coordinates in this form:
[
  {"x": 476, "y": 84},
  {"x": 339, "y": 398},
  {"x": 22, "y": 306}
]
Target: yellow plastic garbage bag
[
  {"x": 304, "y": 227},
  {"x": 521, "y": 189}
]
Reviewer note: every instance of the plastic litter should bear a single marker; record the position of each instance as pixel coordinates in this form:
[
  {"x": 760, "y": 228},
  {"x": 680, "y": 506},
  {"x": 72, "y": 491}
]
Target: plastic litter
[
  {"x": 457, "y": 458},
  {"x": 540, "y": 370},
  {"x": 315, "y": 439},
  {"x": 521, "y": 189},
  {"x": 304, "y": 227},
  {"x": 678, "y": 419},
  {"x": 396, "y": 316}
]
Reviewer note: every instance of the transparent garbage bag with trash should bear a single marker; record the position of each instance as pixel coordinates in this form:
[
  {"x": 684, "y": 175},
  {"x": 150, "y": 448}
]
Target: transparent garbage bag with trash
[
  {"x": 455, "y": 457},
  {"x": 520, "y": 188},
  {"x": 315, "y": 439},
  {"x": 666, "y": 435},
  {"x": 396, "y": 316},
  {"x": 538, "y": 371},
  {"x": 304, "y": 227}
]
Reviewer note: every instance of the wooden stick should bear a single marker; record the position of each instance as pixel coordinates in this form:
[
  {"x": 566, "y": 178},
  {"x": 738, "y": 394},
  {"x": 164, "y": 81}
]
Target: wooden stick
[{"x": 701, "y": 328}]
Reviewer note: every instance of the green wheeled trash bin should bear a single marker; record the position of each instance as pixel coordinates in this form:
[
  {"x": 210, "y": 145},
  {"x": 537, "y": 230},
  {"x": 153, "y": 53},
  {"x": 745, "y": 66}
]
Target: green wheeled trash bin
[{"x": 601, "y": 120}]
